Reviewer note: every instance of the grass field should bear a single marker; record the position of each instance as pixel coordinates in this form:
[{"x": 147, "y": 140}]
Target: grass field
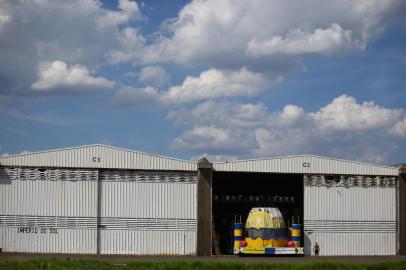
[{"x": 59, "y": 264}]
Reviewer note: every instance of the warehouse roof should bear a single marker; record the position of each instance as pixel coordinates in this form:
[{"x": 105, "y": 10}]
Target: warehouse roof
[
  {"x": 109, "y": 157},
  {"x": 98, "y": 156},
  {"x": 307, "y": 164}
]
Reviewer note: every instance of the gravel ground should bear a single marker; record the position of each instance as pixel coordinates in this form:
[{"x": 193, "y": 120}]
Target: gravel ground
[{"x": 122, "y": 259}]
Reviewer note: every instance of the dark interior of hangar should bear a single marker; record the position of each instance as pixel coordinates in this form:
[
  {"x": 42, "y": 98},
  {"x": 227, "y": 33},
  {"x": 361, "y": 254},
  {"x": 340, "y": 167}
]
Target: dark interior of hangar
[{"x": 234, "y": 194}]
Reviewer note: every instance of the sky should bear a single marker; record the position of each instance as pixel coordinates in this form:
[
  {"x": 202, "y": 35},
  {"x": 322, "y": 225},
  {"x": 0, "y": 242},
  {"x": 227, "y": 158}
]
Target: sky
[{"x": 225, "y": 79}]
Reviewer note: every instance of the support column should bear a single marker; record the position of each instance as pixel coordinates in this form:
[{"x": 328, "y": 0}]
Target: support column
[
  {"x": 99, "y": 212},
  {"x": 402, "y": 209},
  {"x": 204, "y": 207}
]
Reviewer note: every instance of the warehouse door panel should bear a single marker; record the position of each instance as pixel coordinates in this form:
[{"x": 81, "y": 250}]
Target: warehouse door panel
[
  {"x": 350, "y": 215},
  {"x": 148, "y": 212},
  {"x": 48, "y": 210}
]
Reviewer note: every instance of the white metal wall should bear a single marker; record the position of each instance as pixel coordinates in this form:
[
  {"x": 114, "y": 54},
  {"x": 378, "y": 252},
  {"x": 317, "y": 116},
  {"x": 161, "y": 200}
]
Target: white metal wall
[
  {"x": 350, "y": 220},
  {"x": 51, "y": 211},
  {"x": 55, "y": 211},
  {"x": 148, "y": 212}
]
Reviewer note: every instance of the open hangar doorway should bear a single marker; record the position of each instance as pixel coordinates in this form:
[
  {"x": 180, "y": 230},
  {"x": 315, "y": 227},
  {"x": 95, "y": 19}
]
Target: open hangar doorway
[{"x": 235, "y": 193}]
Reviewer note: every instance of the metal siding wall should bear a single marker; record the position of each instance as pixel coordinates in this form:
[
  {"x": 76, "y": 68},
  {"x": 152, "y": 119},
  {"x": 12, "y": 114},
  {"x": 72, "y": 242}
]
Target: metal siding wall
[
  {"x": 149, "y": 200},
  {"x": 367, "y": 217},
  {"x": 151, "y": 217},
  {"x": 48, "y": 204},
  {"x": 354, "y": 244},
  {"x": 48, "y": 198},
  {"x": 354, "y": 203},
  {"x": 148, "y": 242},
  {"x": 65, "y": 241}
]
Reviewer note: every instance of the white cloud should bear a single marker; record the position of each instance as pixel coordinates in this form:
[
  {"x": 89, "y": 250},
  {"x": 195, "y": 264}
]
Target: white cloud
[
  {"x": 344, "y": 113},
  {"x": 130, "y": 46},
  {"x": 399, "y": 129},
  {"x": 323, "y": 41},
  {"x": 235, "y": 33},
  {"x": 212, "y": 139},
  {"x": 128, "y": 10},
  {"x": 154, "y": 75},
  {"x": 343, "y": 128},
  {"x": 210, "y": 84},
  {"x": 290, "y": 115},
  {"x": 241, "y": 115},
  {"x": 4, "y": 17},
  {"x": 215, "y": 83},
  {"x": 75, "y": 31},
  {"x": 59, "y": 75}
]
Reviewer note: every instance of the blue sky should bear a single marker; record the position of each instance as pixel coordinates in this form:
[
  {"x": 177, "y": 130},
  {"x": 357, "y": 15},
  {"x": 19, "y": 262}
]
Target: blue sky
[{"x": 224, "y": 79}]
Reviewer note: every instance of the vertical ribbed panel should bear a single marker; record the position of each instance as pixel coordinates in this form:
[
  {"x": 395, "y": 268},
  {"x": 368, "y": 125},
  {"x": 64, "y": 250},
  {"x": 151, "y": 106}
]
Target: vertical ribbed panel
[
  {"x": 353, "y": 244},
  {"x": 354, "y": 203},
  {"x": 48, "y": 198},
  {"x": 148, "y": 212},
  {"x": 65, "y": 241},
  {"x": 148, "y": 242},
  {"x": 350, "y": 220},
  {"x": 149, "y": 200},
  {"x": 43, "y": 213}
]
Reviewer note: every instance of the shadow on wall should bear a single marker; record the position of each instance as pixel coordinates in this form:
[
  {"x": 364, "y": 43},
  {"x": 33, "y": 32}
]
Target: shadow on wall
[
  {"x": 307, "y": 244},
  {"x": 4, "y": 177}
]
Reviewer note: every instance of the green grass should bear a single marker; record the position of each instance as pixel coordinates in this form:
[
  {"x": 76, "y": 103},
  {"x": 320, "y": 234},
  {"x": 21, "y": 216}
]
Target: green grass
[{"x": 58, "y": 264}]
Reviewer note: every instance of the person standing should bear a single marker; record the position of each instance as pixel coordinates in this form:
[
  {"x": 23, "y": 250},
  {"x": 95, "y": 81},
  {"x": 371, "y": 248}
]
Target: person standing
[{"x": 316, "y": 249}]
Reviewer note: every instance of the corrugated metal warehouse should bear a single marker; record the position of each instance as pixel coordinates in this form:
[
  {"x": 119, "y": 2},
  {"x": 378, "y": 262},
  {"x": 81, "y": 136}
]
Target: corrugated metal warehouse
[{"x": 106, "y": 200}]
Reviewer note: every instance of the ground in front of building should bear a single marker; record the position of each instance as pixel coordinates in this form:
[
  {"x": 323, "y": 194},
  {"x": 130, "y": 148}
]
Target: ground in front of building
[{"x": 124, "y": 259}]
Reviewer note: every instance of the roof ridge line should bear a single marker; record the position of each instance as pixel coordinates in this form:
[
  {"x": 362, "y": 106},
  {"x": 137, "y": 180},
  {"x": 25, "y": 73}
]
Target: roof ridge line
[
  {"x": 100, "y": 145},
  {"x": 304, "y": 155}
]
